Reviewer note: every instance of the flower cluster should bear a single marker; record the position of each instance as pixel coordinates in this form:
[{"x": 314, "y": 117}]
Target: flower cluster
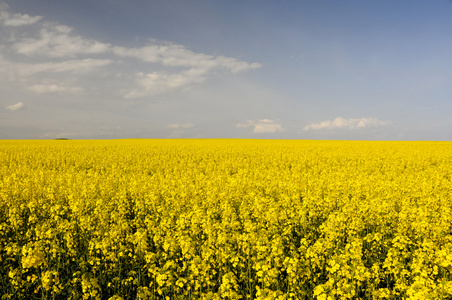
[{"x": 225, "y": 219}]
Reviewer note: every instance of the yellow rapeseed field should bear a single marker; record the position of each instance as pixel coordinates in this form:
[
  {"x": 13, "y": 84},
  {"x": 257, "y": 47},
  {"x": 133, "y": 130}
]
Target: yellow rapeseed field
[{"x": 225, "y": 219}]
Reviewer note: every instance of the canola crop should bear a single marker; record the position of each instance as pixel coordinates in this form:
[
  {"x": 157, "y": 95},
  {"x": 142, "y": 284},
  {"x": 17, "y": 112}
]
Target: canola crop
[{"x": 225, "y": 219}]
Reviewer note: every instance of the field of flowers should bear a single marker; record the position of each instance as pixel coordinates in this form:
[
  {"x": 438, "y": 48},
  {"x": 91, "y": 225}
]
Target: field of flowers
[{"x": 225, "y": 219}]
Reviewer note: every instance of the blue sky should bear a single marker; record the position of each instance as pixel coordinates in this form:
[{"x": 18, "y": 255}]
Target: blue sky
[{"x": 372, "y": 70}]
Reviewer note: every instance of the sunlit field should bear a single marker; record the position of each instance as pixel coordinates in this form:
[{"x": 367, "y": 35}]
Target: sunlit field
[{"x": 225, "y": 219}]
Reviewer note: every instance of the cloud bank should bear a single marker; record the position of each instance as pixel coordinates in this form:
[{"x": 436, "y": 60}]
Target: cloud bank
[
  {"x": 47, "y": 48},
  {"x": 341, "y": 123},
  {"x": 262, "y": 126}
]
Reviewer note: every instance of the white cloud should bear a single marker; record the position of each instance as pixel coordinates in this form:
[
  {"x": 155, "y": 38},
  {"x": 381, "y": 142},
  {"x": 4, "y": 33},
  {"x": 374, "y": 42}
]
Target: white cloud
[
  {"x": 16, "y": 106},
  {"x": 181, "y": 126},
  {"x": 73, "y": 66},
  {"x": 262, "y": 126},
  {"x": 53, "y": 88},
  {"x": 16, "y": 19},
  {"x": 339, "y": 123},
  {"x": 169, "y": 54},
  {"x": 57, "y": 41},
  {"x": 158, "y": 83},
  {"x": 234, "y": 65},
  {"x": 199, "y": 66}
]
